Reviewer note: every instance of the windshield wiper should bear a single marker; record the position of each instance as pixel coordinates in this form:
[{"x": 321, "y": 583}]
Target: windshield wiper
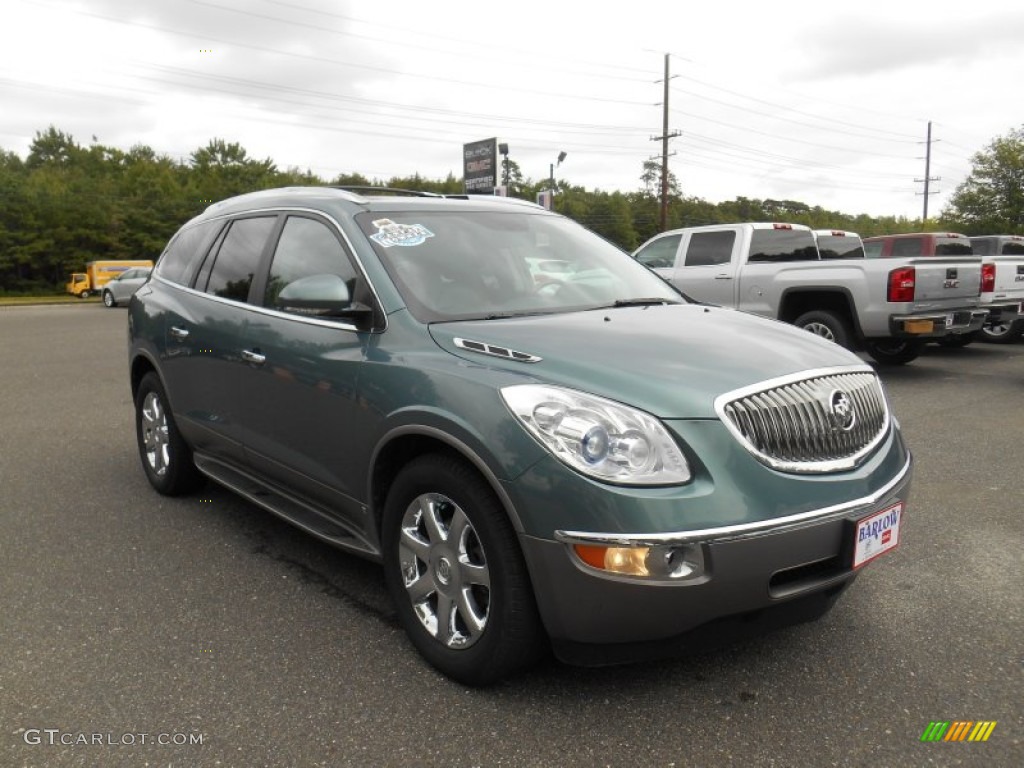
[{"x": 642, "y": 302}]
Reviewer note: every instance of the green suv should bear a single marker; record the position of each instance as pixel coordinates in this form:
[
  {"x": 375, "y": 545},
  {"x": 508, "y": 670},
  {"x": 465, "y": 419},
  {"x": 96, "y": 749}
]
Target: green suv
[{"x": 543, "y": 443}]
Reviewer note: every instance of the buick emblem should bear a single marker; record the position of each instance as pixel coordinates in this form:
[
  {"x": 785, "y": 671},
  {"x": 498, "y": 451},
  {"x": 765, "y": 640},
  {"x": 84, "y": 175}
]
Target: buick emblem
[{"x": 841, "y": 412}]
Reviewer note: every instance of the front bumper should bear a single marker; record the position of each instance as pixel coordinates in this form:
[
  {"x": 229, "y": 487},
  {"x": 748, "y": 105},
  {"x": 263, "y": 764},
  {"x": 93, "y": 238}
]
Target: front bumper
[
  {"x": 778, "y": 571},
  {"x": 932, "y": 325}
]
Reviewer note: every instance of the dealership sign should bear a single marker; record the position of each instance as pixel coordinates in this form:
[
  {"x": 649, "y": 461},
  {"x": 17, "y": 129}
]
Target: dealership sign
[{"x": 480, "y": 167}]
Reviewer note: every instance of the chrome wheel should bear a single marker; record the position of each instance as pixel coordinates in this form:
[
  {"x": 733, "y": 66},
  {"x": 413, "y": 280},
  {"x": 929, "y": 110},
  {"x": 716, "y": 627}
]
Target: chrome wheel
[
  {"x": 820, "y": 329},
  {"x": 444, "y": 570},
  {"x": 155, "y": 434},
  {"x": 108, "y": 299}
]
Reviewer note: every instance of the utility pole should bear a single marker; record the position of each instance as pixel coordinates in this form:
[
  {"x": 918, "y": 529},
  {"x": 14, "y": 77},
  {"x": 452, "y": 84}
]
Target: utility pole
[
  {"x": 927, "y": 173},
  {"x": 665, "y": 136}
]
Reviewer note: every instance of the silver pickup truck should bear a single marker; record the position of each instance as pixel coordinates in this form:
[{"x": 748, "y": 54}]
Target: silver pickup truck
[
  {"x": 1002, "y": 285},
  {"x": 890, "y": 307}
]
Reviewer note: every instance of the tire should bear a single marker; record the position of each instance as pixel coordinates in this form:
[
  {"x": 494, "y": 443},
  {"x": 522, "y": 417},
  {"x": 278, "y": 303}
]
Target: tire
[
  {"x": 83, "y": 295},
  {"x": 895, "y": 351},
  {"x": 108, "y": 300},
  {"x": 957, "y": 340},
  {"x": 166, "y": 458},
  {"x": 1001, "y": 332},
  {"x": 456, "y": 574},
  {"x": 827, "y": 324}
]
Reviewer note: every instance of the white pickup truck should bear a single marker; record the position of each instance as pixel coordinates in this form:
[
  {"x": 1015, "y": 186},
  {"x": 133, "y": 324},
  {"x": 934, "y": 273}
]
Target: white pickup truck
[
  {"x": 890, "y": 307},
  {"x": 1002, "y": 285}
]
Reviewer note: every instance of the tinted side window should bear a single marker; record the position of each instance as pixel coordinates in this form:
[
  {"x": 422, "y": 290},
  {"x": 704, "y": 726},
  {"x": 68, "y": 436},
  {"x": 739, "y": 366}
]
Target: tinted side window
[
  {"x": 1014, "y": 248},
  {"x": 185, "y": 249},
  {"x": 873, "y": 250},
  {"x": 907, "y": 246},
  {"x": 783, "y": 245},
  {"x": 307, "y": 247},
  {"x": 239, "y": 257},
  {"x": 710, "y": 248},
  {"x": 661, "y": 253}
]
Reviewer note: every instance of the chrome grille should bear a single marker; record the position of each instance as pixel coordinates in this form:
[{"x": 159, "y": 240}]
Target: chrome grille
[{"x": 816, "y": 422}]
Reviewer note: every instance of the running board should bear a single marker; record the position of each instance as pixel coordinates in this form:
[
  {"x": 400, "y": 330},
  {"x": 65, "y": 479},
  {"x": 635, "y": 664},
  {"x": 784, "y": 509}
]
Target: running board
[{"x": 299, "y": 513}]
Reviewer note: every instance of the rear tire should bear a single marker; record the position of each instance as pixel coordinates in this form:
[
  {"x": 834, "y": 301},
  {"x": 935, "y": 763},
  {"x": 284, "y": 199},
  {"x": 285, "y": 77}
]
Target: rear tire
[
  {"x": 827, "y": 324},
  {"x": 894, "y": 351},
  {"x": 456, "y": 574},
  {"x": 166, "y": 457},
  {"x": 1001, "y": 332}
]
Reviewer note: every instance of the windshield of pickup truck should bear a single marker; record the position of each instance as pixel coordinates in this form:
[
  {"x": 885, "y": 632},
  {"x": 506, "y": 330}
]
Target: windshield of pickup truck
[
  {"x": 840, "y": 247},
  {"x": 948, "y": 246},
  {"x": 783, "y": 244},
  {"x": 456, "y": 265}
]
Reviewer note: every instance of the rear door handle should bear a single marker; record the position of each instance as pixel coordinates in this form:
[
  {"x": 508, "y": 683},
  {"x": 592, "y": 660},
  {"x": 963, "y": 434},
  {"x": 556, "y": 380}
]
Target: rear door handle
[
  {"x": 723, "y": 277},
  {"x": 251, "y": 356},
  {"x": 179, "y": 333}
]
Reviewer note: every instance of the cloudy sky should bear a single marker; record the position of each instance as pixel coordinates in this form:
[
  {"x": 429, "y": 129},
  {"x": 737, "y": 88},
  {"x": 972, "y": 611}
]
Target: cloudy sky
[{"x": 787, "y": 100}]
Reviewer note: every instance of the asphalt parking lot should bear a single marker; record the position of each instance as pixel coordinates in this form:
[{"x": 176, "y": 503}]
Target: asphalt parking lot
[{"x": 134, "y": 626}]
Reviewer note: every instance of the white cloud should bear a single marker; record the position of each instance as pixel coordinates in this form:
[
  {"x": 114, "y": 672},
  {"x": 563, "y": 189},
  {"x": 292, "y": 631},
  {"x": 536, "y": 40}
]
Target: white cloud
[{"x": 788, "y": 100}]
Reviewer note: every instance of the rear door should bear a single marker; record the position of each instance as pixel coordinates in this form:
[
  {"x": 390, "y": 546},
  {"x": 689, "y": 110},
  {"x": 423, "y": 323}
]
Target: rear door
[{"x": 206, "y": 332}]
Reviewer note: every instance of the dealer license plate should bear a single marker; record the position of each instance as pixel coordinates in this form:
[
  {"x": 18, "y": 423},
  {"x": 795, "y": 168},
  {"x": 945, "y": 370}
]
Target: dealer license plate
[{"x": 876, "y": 534}]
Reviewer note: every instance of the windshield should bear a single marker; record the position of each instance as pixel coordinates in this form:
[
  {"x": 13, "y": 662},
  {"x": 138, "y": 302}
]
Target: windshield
[
  {"x": 840, "y": 247},
  {"x": 456, "y": 265}
]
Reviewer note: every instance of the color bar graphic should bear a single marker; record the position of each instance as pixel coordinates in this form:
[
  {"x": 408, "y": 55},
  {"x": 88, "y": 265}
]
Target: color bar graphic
[{"x": 958, "y": 730}]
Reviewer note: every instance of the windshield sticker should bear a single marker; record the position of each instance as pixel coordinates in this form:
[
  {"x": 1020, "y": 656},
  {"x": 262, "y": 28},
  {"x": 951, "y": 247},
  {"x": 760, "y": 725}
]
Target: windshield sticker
[{"x": 391, "y": 233}]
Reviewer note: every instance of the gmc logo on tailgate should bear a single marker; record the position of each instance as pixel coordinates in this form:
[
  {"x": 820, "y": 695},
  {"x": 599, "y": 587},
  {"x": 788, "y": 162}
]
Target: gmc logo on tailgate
[{"x": 951, "y": 281}]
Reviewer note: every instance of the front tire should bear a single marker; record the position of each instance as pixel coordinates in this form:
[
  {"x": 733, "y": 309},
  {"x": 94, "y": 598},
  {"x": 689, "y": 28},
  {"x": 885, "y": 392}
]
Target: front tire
[
  {"x": 166, "y": 457},
  {"x": 108, "y": 300},
  {"x": 828, "y": 325},
  {"x": 83, "y": 295},
  {"x": 456, "y": 574},
  {"x": 895, "y": 351}
]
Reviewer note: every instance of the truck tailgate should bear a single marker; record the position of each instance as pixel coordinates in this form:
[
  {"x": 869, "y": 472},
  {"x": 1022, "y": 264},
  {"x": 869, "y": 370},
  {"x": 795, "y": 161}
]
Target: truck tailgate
[
  {"x": 1009, "y": 277},
  {"x": 947, "y": 280}
]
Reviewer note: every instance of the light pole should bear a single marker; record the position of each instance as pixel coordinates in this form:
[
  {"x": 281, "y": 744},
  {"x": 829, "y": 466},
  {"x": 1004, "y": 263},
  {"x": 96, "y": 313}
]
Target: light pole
[{"x": 551, "y": 182}]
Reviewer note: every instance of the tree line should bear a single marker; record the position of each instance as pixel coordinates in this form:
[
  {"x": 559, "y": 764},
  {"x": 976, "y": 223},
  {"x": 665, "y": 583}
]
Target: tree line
[{"x": 66, "y": 204}]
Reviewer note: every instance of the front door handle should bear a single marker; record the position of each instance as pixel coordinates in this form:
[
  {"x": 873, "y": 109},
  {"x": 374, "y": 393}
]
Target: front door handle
[
  {"x": 251, "y": 356},
  {"x": 723, "y": 277},
  {"x": 179, "y": 333}
]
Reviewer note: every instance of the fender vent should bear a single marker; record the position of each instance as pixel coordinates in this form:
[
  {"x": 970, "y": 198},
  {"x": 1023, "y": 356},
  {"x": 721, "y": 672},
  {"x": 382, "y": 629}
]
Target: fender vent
[{"x": 495, "y": 351}]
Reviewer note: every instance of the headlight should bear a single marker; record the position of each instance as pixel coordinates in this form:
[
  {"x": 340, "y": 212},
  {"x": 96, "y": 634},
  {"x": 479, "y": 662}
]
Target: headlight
[{"x": 598, "y": 437}]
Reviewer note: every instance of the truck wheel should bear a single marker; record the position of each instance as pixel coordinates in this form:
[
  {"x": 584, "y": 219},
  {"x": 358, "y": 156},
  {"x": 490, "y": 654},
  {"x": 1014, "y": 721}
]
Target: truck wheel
[
  {"x": 166, "y": 458},
  {"x": 108, "y": 299},
  {"x": 828, "y": 325},
  {"x": 1001, "y": 332},
  {"x": 455, "y": 572},
  {"x": 894, "y": 351},
  {"x": 83, "y": 295}
]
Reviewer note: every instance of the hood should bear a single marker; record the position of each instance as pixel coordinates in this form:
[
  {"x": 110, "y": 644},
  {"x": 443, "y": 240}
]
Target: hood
[{"x": 669, "y": 360}]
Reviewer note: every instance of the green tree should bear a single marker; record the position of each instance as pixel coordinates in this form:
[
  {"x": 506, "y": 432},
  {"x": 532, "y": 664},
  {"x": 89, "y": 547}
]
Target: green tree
[{"x": 991, "y": 199}]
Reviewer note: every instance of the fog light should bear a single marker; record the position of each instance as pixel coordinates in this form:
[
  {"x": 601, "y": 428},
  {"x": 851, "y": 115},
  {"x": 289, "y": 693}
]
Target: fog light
[
  {"x": 630, "y": 561},
  {"x": 685, "y": 561}
]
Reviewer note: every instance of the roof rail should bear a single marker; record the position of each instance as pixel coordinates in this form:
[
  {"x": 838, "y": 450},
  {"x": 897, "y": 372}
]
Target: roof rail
[{"x": 385, "y": 190}]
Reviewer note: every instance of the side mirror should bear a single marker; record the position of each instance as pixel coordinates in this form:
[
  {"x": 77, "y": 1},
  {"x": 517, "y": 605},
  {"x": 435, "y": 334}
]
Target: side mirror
[{"x": 323, "y": 296}]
